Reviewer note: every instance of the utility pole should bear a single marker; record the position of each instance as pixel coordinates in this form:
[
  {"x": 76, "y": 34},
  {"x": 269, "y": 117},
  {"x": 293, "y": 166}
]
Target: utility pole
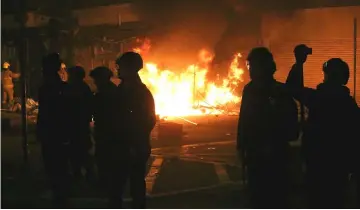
[
  {"x": 355, "y": 54},
  {"x": 194, "y": 88},
  {"x": 23, "y": 65}
]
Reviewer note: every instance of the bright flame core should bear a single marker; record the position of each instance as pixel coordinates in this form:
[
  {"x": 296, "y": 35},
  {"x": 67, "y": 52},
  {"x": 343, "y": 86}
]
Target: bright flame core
[{"x": 188, "y": 93}]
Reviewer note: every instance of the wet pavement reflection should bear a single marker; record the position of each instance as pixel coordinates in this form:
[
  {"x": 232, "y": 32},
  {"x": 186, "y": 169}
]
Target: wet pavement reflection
[{"x": 217, "y": 152}]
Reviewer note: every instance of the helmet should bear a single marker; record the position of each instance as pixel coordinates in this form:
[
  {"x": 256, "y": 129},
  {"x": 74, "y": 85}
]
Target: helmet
[
  {"x": 6, "y": 65},
  {"x": 130, "y": 61},
  {"x": 101, "y": 73},
  {"x": 77, "y": 72},
  {"x": 51, "y": 64},
  {"x": 337, "y": 70},
  {"x": 63, "y": 66},
  {"x": 262, "y": 59}
]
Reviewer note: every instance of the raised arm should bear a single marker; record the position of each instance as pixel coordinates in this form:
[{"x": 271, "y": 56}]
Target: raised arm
[
  {"x": 295, "y": 85},
  {"x": 15, "y": 75}
]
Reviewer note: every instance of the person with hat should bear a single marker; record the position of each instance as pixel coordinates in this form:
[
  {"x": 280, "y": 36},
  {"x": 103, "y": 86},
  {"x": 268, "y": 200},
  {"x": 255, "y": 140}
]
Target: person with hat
[
  {"x": 329, "y": 135},
  {"x": 63, "y": 73},
  {"x": 80, "y": 97},
  {"x": 267, "y": 123},
  {"x": 136, "y": 119},
  {"x": 52, "y": 128},
  {"x": 7, "y": 84},
  {"x": 295, "y": 78},
  {"x": 104, "y": 106}
]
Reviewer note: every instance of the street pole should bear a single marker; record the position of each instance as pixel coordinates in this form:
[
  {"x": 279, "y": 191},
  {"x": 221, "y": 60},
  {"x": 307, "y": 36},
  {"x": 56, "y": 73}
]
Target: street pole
[
  {"x": 355, "y": 49},
  {"x": 23, "y": 66},
  {"x": 194, "y": 88}
]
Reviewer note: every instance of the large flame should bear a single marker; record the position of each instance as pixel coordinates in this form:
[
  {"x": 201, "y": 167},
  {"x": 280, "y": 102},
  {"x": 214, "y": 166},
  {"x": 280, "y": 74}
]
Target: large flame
[{"x": 189, "y": 93}]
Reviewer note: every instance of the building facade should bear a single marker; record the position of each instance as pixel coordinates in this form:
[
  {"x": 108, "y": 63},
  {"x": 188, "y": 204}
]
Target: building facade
[{"x": 331, "y": 32}]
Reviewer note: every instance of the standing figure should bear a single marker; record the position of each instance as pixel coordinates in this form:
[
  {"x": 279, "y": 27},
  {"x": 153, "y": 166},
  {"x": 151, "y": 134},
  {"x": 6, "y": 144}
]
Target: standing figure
[
  {"x": 295, "y": 78},
  {"x": 329, "y": 135},
  {"x": 7, "y": 84},
  {"x": 136, "y": 119},
  {"x": 268, "y": 121},
  {"x": 63, "y": 73},
  {"x": 52, "y": 129},
  {"x": 80, "y": 97},
  {"x": 104, "y": 107}
]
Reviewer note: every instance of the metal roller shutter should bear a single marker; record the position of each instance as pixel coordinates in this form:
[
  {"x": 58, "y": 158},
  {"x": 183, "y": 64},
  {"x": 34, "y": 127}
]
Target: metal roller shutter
[
  {"x": 322, "y": 51},
  {"x": 358, "y": 72}
]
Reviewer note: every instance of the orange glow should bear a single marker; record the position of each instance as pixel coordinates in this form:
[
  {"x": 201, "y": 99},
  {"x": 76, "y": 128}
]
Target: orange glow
[{"x": 188, "y": 93}]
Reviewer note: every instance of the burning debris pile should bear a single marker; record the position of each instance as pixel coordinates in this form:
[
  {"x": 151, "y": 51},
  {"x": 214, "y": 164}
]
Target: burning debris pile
[
  {"x": 31, "y": 106},
  {"x": 187, "y": 91}
]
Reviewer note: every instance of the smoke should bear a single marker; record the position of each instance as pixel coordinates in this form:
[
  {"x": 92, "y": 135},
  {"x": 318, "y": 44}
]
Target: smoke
[{"x": 180, "y": 28}]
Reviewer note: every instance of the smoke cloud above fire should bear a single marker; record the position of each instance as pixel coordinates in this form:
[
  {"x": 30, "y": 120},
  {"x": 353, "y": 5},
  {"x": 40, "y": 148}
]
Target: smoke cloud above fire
[
  {"x": 178, "y": 54},
  {"x": 180, "y": 28}
]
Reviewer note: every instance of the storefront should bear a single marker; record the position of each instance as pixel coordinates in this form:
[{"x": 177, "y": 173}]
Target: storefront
[{"x": 329, "y": 31}]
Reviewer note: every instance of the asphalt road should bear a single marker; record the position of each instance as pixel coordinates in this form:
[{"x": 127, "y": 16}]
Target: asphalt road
[
  {"x": 206, "y": 160},
  {"x": 186, "y": 182},
  {"x": 201, "y": 171}
]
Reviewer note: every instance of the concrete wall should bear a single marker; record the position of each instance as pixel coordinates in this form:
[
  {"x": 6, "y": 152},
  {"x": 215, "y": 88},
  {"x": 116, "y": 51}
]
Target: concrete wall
[
  {"x": 106, "y": 15},
  {"x": 33, "y": 20}
]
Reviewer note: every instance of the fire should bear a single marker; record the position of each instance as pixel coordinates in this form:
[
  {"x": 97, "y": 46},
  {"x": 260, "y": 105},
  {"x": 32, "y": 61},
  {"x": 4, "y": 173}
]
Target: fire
[{"x": 188, "y": 93}]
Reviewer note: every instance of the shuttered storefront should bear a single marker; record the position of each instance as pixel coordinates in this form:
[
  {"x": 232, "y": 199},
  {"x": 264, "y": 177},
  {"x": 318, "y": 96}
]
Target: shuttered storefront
[{"x": 322, "y": 50}]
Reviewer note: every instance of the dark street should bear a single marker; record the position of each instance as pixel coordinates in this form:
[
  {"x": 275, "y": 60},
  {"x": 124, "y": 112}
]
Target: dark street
[
  {"x": 181, "y": 104},
  {"x": 205, "y": 163},
  {"x": 205, "y": 166}
]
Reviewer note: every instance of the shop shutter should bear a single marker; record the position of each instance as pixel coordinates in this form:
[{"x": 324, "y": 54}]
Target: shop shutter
[{"x": 322, "y": 51}]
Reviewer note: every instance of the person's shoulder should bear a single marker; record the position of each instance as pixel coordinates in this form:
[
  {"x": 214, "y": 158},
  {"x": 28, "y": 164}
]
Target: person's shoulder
[
  {"x": 146, "y": 90},
  {"x": 86, "y": 87},
  {"x": 280, "y": 86},
  {"x": 248, "y": 86},
  {"x": 111, "y": 88},
  {"x": 282, "y": 89}
]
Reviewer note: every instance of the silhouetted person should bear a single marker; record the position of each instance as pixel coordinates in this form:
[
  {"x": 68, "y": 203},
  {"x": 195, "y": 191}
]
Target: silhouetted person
[
  {"x": 80, "y": 97},
  {"x": 136, "y": 119},
  {"x": 329, "y": 134},
  {"x": 104, "y": 109},
  {"x": 356, "y": 164},
  {"x": 295, "y": 78},
  {"x": 296, "y": 74},
  {"x": 268, "y": 121},
  {"x": 63, "y": 73},
  {"x": 7, "y": 84},
  {"x": 52, "y": 128}
]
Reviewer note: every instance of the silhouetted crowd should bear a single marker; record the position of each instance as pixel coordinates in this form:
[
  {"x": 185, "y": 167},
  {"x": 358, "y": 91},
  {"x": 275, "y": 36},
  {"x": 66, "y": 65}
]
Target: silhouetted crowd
[
  {"x": 269, "y": 121},
  {"x": 124, "y": 117}
]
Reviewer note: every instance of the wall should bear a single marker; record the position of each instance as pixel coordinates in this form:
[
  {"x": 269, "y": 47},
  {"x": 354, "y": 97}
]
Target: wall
[
  {"x": 9, "y": 21},
  {"x": 329, "y": 31},
  {"x": 111, "y": 15}
]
